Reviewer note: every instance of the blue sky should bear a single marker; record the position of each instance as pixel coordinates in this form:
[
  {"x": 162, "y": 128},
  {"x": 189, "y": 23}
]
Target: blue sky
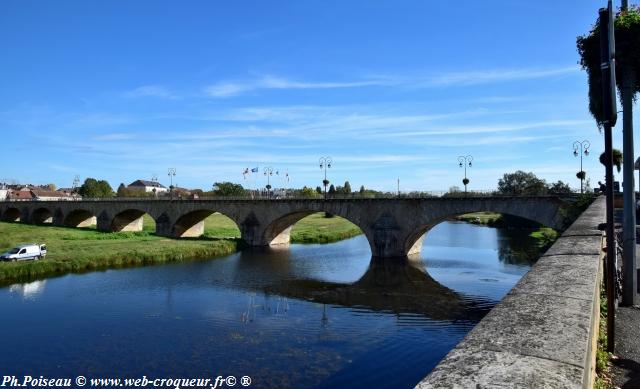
[{"x": 389, "y": 89}]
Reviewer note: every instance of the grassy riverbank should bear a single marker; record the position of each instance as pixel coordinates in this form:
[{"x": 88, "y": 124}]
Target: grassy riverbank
[
  {"x": 317, "y": 228},
  {"x": 544, "y": 236},
  {"x": 77, "y": 250},
  {"x": 82, "y": 250}
]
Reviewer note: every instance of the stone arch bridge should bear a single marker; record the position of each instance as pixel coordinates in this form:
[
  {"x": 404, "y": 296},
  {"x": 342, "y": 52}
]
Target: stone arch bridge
[{"x": 394, "y": 227}]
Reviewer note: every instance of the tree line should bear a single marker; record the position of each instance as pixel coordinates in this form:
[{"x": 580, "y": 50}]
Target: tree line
[{"x": 515, "y": 184}]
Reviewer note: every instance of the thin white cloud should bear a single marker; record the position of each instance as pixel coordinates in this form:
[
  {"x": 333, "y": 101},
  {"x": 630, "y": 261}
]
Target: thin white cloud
[
  {"x": 235, "y": 88},
  {"x": 272, "y": 82},
  {"x": 227, "y": 89},
  {"x": 497, "y": 128},
  {"x": 495, "y": 75},
  {"x": 157, "y": 91}
]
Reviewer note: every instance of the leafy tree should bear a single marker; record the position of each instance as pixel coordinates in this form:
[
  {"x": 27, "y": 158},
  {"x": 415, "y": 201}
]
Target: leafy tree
[
  {"x": 617, "y": 159},
  {"x": 332, "y": 190},
  {"x": 318, "y": 189},
  {"x": 228, "y": 189},
  {"x": 122, "y": 190},
  {"x": 559, "y": 188},
  {"x": 51, "y": 187},
  {"x": 347, "y": 187},
  {"x": 362, "y": 189},
  {"x": 105, "y": 189},
  {"x": 93, "y": 188},
  {"x": 308, "y": 192},
  {"x": 521, "y": 183}
]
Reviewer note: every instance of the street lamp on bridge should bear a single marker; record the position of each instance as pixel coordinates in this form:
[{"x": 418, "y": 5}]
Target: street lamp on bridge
[
  {"x": 171, "y": 172},
  {"x": 465, "y": 160},
  {"x": 584, "y": 149},
  {"x": 268, "y": 171},
  {"x": 325, "y": 163}
]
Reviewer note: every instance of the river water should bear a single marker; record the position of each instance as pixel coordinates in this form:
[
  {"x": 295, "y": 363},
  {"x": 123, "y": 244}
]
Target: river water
[{"x": 307, "y": 316}]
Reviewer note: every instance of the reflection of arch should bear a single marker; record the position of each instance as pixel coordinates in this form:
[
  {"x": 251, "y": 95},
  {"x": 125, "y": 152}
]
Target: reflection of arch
[
  {"x": 389, "y": 286},
  {"x": 128, "y": 220},
  {"x": 191, "y": 224},
  {"x": 42, "y": 216},
  {"x": 279, "y": 230},
  {"x": 12, "y": 215},
  {"x": 79, "y": 218},
  {"x": 413, "y": 241}
]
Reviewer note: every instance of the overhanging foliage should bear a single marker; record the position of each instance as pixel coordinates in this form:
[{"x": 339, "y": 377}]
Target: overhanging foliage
[{"x": 627, "y": 35}]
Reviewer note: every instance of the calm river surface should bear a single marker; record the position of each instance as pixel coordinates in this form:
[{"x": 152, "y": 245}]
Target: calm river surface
[{"x": 308, "y": 316}]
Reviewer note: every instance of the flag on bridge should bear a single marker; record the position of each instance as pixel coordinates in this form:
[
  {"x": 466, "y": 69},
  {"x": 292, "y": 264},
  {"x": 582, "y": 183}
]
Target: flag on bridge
[{"x": 254, "y": 170}]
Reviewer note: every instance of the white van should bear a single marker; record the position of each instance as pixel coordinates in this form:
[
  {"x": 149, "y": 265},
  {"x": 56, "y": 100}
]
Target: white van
[{"x": 24, "y": 252}]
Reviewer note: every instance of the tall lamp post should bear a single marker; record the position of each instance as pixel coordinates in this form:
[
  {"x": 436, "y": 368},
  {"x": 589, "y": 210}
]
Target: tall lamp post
[
  {"x": 268, "y": 171},
  {"x": 171, "y": 172},
  {"x": 465, "y": 160},
  {"x": 584, "y": 149},
  {"x": 325, "y": 163}
]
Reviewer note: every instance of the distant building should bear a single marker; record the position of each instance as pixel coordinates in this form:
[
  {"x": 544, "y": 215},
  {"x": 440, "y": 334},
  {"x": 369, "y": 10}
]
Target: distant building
[
  {"x": 147, "y": 186},
  {"x": 48, "y": 195},
  {"x": 20, "y": 195},
  {"x": 28, "y": 194}
]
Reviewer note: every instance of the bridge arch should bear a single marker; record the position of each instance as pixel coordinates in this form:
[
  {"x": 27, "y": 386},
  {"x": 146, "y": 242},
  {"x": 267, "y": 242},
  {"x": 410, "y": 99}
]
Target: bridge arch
[
  {"x": 128, "y": 220},
  {"x": 413, "y": 242},
  {"x": 11, "y": 214},
  {"x": 79, "y": 218},
  {"x": 42, "y": 216},
  {"x": 192, "y": 224},
  {"x": 278, "y": 231}
]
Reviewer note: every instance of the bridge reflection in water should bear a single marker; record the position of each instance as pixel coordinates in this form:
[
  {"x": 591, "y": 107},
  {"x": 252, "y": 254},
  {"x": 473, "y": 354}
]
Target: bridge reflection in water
[{"x": 388, "y": 285}]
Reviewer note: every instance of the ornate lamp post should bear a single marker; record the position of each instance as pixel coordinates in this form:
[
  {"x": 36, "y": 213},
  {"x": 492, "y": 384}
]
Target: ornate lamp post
[
  {"x": 325, "y": 163},
  {"x": 171, "y": 172},
  {"x": 465, "y": 160},
  {"x": 268, "y": 171},
  {"x": 584, "y": 149}
]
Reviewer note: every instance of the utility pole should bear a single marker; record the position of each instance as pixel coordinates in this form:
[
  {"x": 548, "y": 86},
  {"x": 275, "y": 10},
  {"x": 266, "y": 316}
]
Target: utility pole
[
  {"x": 629, "y": 294},
  {"x": 609, "y": 110}
]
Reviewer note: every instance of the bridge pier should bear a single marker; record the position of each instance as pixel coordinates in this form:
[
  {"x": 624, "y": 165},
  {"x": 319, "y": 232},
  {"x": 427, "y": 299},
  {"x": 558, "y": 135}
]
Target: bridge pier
[
  {"x": 127, "y": 225},
  {"x": 194, "y": 231}
]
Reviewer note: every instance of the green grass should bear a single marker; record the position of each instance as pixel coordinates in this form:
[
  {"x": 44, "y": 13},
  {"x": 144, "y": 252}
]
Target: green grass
[
  {"x": 544, "y": 236},
  {"x": 603, "y": 358},
  {"x": 479, "y": 217},
  {"x": 77, "y": 250},
  {"x": 81, "y": 250},
  {"x": 316, "y": 228}
]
